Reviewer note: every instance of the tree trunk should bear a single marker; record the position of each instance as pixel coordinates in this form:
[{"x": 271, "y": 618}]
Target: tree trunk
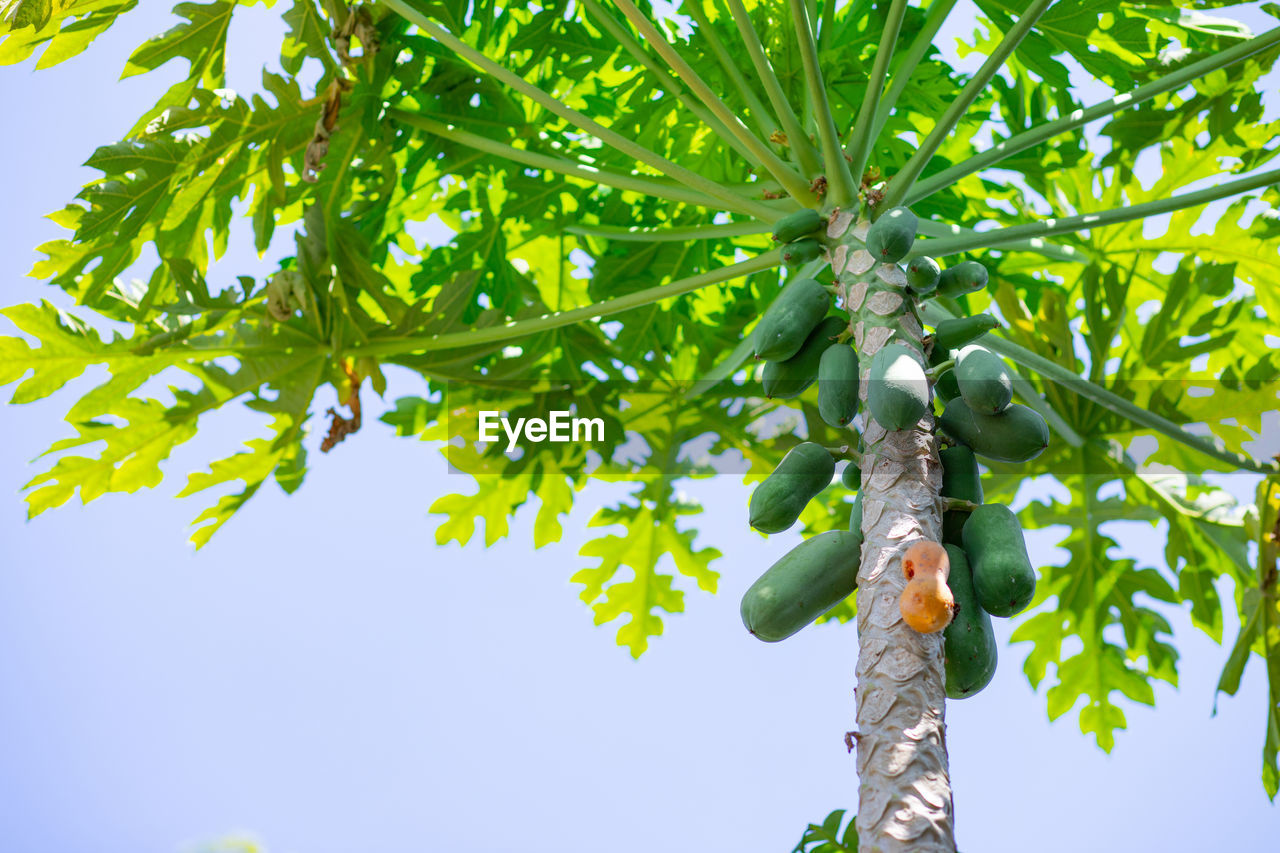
[{"x": 904, "y": 801}]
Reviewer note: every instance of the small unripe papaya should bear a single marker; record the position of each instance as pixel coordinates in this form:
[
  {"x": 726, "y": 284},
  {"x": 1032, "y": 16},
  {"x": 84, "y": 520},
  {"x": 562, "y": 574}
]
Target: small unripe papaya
[
  {"x": 801, "y": 252},
  {"x": 804, "y": 472},
  {"x": 945, "y": 388},
  {"x": 790, "y": 378},
  {"x": 891, "y": 236},
  {"x": 790, "y": 318},
  {"x": 897, "y": 388},
  {"x": 1018, "y": 434},
  {"x": 855, "y": 515},
  {"x": 984, "y": 381},
  {"x": 962, "y": 278},
  {"x": 937, "y": 355},
  {"x": 838, "y": 384},
  {"x": 922, "y": 275},
  {"x": 851, "y": 476},
  {"x": 793, "y": 226},
  {"x": 961, "y": 480},
  {"x": 953, "y": 334}
]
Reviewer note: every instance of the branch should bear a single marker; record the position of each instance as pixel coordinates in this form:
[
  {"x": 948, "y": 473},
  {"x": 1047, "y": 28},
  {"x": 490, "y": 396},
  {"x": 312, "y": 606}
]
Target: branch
[
  {"x": 929, "y": 228},
  {"x": 841, "y": 185},
  {"x": 906, "y": 176},
  {"x": 205, "y": 349},
  {"x": 933, "y": 22},
  {"x": 1097, "y": 394},
  {"x": 635, "y": 234},
  {"x": 522, "y": 328},
  {"x": 764, "y": 121},
  {"x": 1078, "y": 118},
  {"x": 1002, "y": 237},
  {"x": 634, "y": 183},
  {"x": 796, "y": 137},
  {"x": 785, "y": 175},
  {"x": 668, "y": 83},
  {"x": 863, "y": 134},
  {"x": 604, "y": 134},
  {"x": 826, "y": 25}
]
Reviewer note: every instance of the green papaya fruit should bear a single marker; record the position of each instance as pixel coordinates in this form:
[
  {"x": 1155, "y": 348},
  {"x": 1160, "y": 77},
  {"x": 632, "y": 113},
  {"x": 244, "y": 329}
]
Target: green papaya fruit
[
  {"x": 793, "y": 226},
  {"x": 960, "y": 480},
  {"x": 890, "y": 237},
  {"x": 969, "y": 643},
  {"x": 838, "y": 384},
  {"x": 789, "y": 378},
  {"x": 1017, "y": 434},
  {"x": 801, "y": 252},
  {"x": 897, "y": 388},
  {"x": 953, "y": 526},
  {"x": 960, "y": 476},
  {"x": 985, "y": 382},
  {"x": 806, "y": 582},
  {"x": 1002, "y": 574},
  {"x": 937, "y": 356},
  {"x": 790, "y": 318},
  {"x": 851, "y": 476},
  {"x": 945, "y": 388},
  {"x": 777, "y": 502},
  {"x": 962, "y": 278},
  {"x": 855, "y": 515},
  {"x": 953, "y": 334},
  {"x": 922, "y": 275}
]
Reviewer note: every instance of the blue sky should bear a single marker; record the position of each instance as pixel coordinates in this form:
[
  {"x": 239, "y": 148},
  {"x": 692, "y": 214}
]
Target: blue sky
[{"x": 324, "y": 677}]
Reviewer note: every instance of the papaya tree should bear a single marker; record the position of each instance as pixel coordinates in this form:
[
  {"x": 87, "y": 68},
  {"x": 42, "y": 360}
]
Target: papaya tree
[{"x": 1057, "y": 262}]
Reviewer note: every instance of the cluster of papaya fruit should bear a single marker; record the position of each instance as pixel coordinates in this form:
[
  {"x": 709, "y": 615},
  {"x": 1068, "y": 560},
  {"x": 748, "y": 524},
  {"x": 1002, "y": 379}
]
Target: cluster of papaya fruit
[
  {"x": 989, "y": 573},
  {"x": 981, "y": 567}
]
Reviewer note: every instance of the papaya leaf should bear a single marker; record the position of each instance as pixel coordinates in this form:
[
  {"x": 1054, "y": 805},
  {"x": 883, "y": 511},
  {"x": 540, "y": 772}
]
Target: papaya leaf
[
  {"x": 67, "y": 348},
  {"x": 1259, "y": 603},
  {"x": 143, "y": 432},
  {"x": 64, "y": 28},
  {"x": 556, "y": 496},
  {"x": 308, "y": 36},
  {"x": 826, "y": 837},
  {"x": 650, "y": 533},
  {"x": 201, "y": 40},
  {"x": 1093, "y": 591},
  {"x": 282, "y": 455}
]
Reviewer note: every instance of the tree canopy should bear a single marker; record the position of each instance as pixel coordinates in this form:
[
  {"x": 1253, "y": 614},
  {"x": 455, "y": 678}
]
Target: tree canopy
[{"x": 610, "y": 173}]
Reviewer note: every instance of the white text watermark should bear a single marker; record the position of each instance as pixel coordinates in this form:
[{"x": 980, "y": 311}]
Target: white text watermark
[{"x": 561, "y": 427}]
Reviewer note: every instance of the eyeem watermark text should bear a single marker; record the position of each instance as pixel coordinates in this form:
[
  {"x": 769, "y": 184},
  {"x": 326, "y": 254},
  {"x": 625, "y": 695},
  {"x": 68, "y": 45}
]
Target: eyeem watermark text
[{"x": 562, "y": 426}]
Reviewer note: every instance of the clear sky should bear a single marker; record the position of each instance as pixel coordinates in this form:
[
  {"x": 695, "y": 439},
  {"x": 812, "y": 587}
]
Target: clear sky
[{"x": 325, "y": 677}]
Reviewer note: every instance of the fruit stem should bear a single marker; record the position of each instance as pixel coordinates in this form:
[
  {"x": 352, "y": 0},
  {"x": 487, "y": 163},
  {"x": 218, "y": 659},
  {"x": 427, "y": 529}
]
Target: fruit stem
[
  {"x": 468, "y": 53},
  {"x": 842, "y": 187},
  {"x": 861, "y": 136},
  {"x": 801, "y": 147},
  {"x": 939, "y": 369},
  {"x": 794, "y": 183},
  {"x": 846, "y": 451}
]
